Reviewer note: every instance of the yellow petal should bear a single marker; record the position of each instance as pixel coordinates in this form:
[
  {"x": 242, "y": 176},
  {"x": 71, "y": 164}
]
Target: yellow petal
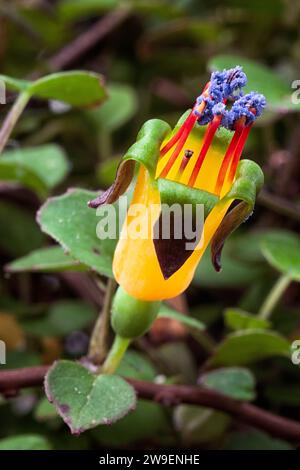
[
  {"x": 135, "y": 264},
  {"x": 208, "y": 173}
]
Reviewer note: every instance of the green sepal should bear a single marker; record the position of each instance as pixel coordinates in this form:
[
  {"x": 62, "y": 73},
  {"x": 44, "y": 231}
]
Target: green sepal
[
  {"x": 249, "y": 180},
  {"x": 132, "y": 317},
  {"x": 172, "y": 192},
  {"x": 144, "y": 151},
  {"x": 147, "y": 146}
]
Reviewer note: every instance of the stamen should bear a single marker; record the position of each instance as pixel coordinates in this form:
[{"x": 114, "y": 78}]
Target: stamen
[
  {"x": 210, "y": 108},
  {"x": 208, "y": 137},
  {"x": 227, "y": 158},
  {"x": 191, "y": 118},
  {"x": 186, "y": 158},
  {"x": 238, "y": 152},
  {"x": 178, "y": 147},
  {"x": 176, "y": 136}
]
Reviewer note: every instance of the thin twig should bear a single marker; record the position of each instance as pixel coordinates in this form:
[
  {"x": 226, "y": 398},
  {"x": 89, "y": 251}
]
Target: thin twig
[
  {"x": 13, "y": 380},
  {"x": 99, "y": 339},
  {"x": 12, "y": 118},
  {"x": 79, "y": 46},
  {"x": 84, "y": 286},
  {"x": 279, "y": 205}
]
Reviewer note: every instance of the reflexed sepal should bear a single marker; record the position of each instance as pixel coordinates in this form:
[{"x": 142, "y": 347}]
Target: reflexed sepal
[
  {"x": 145, "y": 151},
  {"x": 249, "y": 181},
  {"x": 132, "y": 317}
]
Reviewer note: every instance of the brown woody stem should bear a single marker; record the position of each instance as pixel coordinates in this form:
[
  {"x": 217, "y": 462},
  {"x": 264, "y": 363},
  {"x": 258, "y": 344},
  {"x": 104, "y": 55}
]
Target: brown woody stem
[{"x": 12, "y": 380}]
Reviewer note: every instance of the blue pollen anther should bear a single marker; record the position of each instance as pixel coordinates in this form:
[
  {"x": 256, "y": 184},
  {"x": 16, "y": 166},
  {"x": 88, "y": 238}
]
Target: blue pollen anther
[
  {"x": 219, "y": 109},
  {"x": 236, "y": 80},
  {"x": 227, "y": 85},
  {"x": 249, "y": 106}
]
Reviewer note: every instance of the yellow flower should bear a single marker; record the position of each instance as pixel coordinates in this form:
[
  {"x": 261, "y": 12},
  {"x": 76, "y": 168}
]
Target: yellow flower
[{"x": 203, "y": 164}]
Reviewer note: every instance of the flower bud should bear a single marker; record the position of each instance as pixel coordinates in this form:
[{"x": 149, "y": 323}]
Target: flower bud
[{"x": 132, "y": 317}]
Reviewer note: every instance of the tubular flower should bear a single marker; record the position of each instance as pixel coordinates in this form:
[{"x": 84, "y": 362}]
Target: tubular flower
[{"x": 196, "y": 163}]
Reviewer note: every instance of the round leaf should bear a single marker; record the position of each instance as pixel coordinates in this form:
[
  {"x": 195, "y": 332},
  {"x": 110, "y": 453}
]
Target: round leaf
[
  {"x": 282, "y": 250},
  {"x": 72, "y": 223},
  {"x": 38, "y": 168},
  {"x": 193, "y": 323},
  {"x": 76, "y": 88},
  {"x": 84, "y": 400},
  {"x": 50, "y": 259},
  {"x": 236, "y": 382},
  {"x": 137, "y": 366},
  {"x": 245, "y": 347},
  {"x": 120, "y": 106},
  {"x": 237, "y": 319},
  {"x": 24, "y": 442}
]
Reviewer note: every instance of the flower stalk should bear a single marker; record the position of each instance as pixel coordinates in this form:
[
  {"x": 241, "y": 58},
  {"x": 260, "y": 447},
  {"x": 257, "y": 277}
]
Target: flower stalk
[
  {"x": 115, "y": 355},
  {"x": 274, "y": 296}
]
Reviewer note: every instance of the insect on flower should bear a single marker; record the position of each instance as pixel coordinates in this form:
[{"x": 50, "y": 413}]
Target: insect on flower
[{"x": 196, "y": 163}]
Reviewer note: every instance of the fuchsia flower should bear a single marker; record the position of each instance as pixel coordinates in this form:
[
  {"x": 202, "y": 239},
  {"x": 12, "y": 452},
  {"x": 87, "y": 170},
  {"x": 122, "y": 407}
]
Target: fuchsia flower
[{"x": 199, "y": 162}]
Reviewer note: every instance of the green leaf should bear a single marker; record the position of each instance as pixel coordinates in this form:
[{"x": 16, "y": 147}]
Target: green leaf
[
  {"x": 38, "y": 168},
  {"x": 200, "y": 425},
  {"x": 84, "y": 400},
  {"x": 184, "y": 366},
  {"x": 14, "y": 84},
  {"x": 19, "y": 232},
  {"x": 247, "y": 246},
  {"x": 137, "y": 366},
  {"x": 120, "y": 106},
  {"x": 51, "y": 259},
  {"x": 249, "y": 180},
  {"x": 72, "y": 224},
  {"x": 255, "y": 440},
  {"x": 70, "y": 10},
  {"x": 106, "y": 171},
  {"x": 147, "y": 421},
  {"x": 245, "y": 347},
  {"x": 238, "y": 319},
  {"x": 144, "y": 151},
  {"x": 282, "y": 250},
  {"x": 235, "y": 272},
  {"x": 19, "y": 359},
  {"x": 25, "y": 442},
  {"x": 62, "y": 318},
  {"x": 187, "y": 320},
  {"x": 260, "y": 78},
  {"x": 235, "y": 382},
  {"x": 77, "y": 88}
]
